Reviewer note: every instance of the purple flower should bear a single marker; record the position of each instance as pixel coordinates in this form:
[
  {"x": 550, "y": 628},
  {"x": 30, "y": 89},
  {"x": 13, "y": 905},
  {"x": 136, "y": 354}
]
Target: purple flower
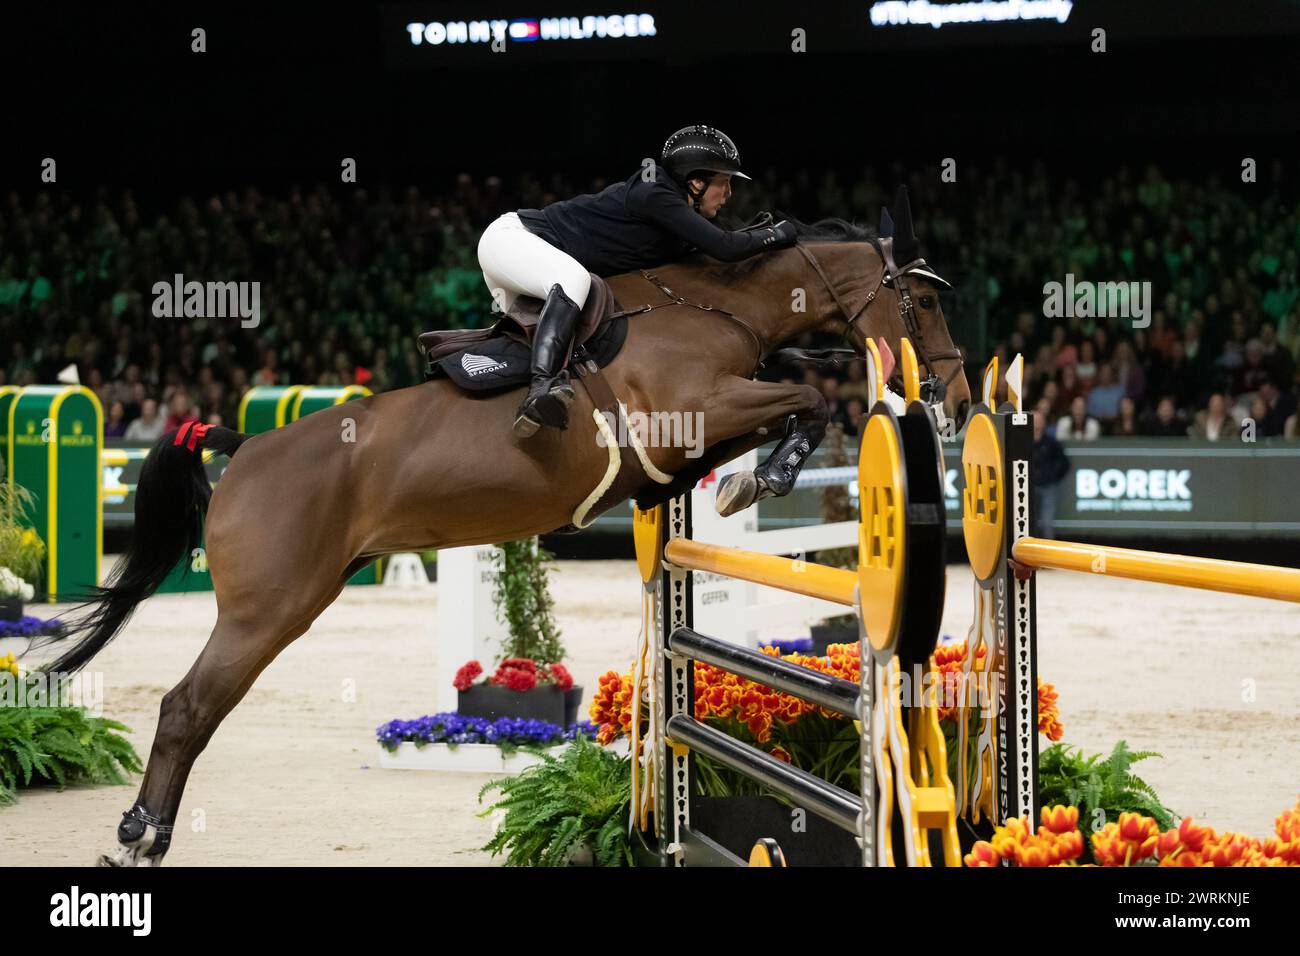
[
  {"x": 28, "y": 626},
  {"x": 452, "y": 728}
]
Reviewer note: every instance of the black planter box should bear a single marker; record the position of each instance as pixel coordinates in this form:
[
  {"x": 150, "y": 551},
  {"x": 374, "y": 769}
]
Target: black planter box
[
  {"x": 547, "y": 703},
  {"x": 11, "y": 608},
  {"x": 824, "y": 635},
  {"x": 739, "y": 822}
]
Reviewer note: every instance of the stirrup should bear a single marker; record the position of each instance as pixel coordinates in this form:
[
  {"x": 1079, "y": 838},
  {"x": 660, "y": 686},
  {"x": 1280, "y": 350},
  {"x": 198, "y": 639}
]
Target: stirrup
[{"x": 549, "y": 408}]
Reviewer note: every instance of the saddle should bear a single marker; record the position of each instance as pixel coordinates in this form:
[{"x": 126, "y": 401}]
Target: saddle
[{"x": 499, "y": 356}]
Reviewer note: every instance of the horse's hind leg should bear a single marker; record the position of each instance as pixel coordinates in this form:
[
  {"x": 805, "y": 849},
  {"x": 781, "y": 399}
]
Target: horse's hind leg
[
  {"x": 697, "y": 468},
  {"x": 247, "y": 637}
]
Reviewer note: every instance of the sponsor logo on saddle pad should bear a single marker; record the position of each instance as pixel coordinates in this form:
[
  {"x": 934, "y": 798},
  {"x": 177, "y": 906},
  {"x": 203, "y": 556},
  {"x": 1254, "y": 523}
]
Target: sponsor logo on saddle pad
[{"x": 478, "y": 364}]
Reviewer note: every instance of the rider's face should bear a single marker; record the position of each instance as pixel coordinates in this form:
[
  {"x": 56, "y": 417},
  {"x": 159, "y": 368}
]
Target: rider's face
[{"x": 716, "y": 194}]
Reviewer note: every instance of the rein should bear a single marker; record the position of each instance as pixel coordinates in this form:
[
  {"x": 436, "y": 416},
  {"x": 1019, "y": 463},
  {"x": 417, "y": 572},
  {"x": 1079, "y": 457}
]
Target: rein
[
  {"x": 906, "y": 309},
  {"x": 675, "y": 299}
]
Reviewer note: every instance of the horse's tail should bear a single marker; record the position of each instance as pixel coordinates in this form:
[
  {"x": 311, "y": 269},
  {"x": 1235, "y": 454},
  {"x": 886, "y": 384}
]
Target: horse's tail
[{"x": 170, "y": 500}]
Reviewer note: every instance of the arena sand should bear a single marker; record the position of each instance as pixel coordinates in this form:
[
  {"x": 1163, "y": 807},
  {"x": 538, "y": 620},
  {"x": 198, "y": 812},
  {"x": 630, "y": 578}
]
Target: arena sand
[{"x": 292, "y": 776}]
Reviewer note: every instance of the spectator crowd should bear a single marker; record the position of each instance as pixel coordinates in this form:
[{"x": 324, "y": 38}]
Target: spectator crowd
[{"x": 348, "y": 276}]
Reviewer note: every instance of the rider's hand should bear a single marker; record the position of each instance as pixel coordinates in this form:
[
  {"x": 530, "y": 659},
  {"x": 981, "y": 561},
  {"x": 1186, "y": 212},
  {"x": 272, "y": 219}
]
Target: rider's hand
[{"x": 780, "y": 235}]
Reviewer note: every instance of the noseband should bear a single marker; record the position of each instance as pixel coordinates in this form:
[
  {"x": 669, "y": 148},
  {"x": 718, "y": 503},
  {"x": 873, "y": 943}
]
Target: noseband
[{"x": 934, "y": 388}]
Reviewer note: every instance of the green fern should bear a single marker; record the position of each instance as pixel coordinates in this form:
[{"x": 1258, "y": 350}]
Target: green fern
[
  {"x": 580, "y": 797},
  {"x": 1066, "y": 776},
  {"x": 62, "y": 746}
]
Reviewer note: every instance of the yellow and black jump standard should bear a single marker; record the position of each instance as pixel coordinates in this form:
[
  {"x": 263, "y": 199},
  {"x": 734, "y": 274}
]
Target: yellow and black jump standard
[{"x": 54, "y": 435}]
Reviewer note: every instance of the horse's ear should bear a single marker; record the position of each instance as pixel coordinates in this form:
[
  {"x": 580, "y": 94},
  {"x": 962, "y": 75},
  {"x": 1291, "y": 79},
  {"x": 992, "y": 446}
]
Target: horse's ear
[
  {"x": 886, "y": 223},
  {"x": 906, "y": 248}
]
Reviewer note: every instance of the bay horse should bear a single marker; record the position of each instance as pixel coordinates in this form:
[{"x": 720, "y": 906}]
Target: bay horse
[{"x": 301, "y": 508}]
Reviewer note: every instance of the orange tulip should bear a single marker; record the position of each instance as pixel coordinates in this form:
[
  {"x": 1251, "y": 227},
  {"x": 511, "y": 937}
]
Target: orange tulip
[
  {"x": 1193, "y": 837},
  {"x": 1060, "y": 819},
  {"x": 1067, "y": 846},
  {"x": 1035, "y": 852},
  {"x": 982, "y": 854}
]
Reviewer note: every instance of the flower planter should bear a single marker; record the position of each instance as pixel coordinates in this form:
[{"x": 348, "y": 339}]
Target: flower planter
[
  {"x": 739, "y": 822},
  {"x": 463, "y": 758},
  {"x": 11, "y": 608},
  {"x": 547, "y": 703}
]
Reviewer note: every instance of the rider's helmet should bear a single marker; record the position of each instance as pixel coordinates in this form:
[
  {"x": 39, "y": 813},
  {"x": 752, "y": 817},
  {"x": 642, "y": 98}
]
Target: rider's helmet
[{"x": 697, "y": 148}]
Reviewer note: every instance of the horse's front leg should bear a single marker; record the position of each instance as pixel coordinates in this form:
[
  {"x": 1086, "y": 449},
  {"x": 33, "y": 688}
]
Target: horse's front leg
[{"x": 797, "y": 412}]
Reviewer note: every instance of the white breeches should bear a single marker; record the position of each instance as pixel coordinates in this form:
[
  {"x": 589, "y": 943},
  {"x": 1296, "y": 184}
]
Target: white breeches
[{"x": 515, "y": 262}]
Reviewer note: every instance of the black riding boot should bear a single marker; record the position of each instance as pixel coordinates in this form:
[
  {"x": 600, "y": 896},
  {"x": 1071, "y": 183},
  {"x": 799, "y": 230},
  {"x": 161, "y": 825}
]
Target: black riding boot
[{"x": 550, "y": 394}]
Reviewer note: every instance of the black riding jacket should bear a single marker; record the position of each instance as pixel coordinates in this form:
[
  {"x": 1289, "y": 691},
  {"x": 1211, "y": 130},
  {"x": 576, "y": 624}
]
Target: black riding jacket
[{"x": 635, "y": 224}]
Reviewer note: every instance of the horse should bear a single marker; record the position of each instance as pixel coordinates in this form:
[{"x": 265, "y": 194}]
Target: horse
[{"x": 301, "y": 508}]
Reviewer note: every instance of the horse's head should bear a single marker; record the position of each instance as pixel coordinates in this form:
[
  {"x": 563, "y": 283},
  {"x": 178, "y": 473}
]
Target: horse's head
[{"x": 895, "y": 295}]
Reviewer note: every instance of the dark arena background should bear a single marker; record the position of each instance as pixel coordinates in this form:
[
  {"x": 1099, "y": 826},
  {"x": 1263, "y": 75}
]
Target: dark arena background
[{"x": 346, "y": 158}]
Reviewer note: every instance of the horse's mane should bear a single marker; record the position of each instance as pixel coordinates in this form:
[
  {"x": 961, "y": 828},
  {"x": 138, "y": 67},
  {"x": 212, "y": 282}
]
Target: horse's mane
[
  {"x": 833, "y": 230},
  {"x": 823, "y": 230}
]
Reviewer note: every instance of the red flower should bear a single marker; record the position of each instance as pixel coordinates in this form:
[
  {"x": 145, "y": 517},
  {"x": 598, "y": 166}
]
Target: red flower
[
  {"x": 519, "y": 663},
  {"x": 466, "y": 676},
  {"x": 515, "y": 678},
  {"x": 559, "y": 676}
]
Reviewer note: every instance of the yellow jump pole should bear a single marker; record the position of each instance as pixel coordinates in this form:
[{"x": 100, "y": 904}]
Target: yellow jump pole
[
  {"x": 1208, "y": 574},
  {"x": 788, "y": 574}
]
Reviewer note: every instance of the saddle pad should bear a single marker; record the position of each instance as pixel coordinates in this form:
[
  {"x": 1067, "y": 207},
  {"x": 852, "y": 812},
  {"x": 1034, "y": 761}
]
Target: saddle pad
[
  {"x": 491, "y": 364},
  {"x": 503, "y": 362}
]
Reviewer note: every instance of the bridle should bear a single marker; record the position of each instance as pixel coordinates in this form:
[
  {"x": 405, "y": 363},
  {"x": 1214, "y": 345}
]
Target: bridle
[{"x": 933, "y": 388}]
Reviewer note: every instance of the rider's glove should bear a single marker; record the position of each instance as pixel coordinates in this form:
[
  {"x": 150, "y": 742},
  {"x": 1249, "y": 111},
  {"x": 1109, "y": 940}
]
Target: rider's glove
[{"x": 780, "y": 236}]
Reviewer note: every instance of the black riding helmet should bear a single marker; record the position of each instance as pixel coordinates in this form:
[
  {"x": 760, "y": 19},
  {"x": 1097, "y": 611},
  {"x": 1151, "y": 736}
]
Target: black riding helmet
[{"x": 695, "y": 149}]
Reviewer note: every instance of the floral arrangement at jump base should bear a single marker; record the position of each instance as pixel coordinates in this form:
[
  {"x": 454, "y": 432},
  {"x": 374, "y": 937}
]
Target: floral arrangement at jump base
[
  {"x": 787, "y": 727},
  {"x": 827, "y": 744},
  {"x": 549, "y": 804},
  {"x": 1135, "y": 840},
  {"x": 530, "y": 680}
]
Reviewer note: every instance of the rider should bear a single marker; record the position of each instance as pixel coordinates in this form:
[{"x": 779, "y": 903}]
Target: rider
[{"x": 659, "y": 214}]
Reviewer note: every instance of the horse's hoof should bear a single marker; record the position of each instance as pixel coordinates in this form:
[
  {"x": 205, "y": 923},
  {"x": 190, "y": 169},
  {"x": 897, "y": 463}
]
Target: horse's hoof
[
  {"x": 127, "y": 856},
  {"x": 736, "y": 493}
]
